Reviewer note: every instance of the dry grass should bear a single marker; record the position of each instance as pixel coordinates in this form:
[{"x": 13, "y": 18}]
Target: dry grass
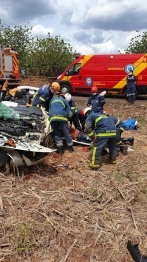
[{"x": 61, "y": 211}]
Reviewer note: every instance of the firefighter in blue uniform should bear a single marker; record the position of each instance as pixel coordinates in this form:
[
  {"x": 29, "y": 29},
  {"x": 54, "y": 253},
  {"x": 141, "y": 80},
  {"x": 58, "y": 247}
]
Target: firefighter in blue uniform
[
  {"x": 59, "y": 113},
  {"x": 44, "y": 94},
  {"x": 72, "y": 104},
  {"x": 131, "y": 87},
  {"x": 96, "y": 101},
  {"x": 120, "y": 128},
  {"x": 102, "y": 129}
]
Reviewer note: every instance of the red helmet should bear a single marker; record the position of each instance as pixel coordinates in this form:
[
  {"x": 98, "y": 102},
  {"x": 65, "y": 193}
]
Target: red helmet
[
  {"x": 94, "y": 90},
  {"x": 82, "y": 112}
]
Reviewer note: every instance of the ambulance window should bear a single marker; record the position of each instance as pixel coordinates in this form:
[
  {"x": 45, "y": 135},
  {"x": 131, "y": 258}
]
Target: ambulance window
[{"x": 74, "y": 70}]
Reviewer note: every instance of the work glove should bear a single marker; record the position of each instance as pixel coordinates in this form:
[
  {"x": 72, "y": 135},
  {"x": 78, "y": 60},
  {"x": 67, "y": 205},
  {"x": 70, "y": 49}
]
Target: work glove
[
  {"x": 102, "y": 93},
  {"x": 70, "y": 114}
]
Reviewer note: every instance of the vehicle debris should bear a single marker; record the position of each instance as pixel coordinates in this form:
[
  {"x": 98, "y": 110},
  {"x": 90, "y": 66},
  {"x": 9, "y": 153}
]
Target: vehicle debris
[{"x": 22, "y": 129}]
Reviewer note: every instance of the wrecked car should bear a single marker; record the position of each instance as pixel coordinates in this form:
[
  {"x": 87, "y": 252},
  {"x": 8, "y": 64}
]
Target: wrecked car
[{"x": 23, "y": 131}]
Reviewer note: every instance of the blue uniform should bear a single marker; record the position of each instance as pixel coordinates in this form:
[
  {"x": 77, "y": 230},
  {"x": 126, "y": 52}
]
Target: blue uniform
[
  {"x": 131, "y": 87},
  {"x": 97, "y": 102},
  {"x": 42, "y": 97},
  {"x": 104, "y": 129},
  {"x": 59, "y": 113},
  {"x": 120, "y": 127},
  {"x": 74, "y": 118}
]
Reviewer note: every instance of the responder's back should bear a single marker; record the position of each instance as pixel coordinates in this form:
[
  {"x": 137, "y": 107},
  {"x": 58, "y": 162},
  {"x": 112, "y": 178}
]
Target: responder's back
[
  {"x": 41, "y": 95},
  {"x": 101, "y": 124},
  {"x": 118, "y": 123},
  {"x": 59, "y": 109}
]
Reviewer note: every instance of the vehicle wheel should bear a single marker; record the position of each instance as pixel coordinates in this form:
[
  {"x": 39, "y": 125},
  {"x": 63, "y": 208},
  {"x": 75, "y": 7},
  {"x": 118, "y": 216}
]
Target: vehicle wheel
[
  {"x": 49, "y": 141},
  {"x": 65, "y": 89},
  {"x": 136, "y": 94}
]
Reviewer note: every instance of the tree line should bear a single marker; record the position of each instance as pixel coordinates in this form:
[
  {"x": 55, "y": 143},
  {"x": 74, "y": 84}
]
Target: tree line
[
  {"x": 49, "y": 56},
  {"x": 43, "y": 57}
]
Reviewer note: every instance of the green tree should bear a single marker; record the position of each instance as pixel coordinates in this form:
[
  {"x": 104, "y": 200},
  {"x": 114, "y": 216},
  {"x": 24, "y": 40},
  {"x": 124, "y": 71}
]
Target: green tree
[
  {"x": 45, "y": 57},
  {"x": 49, "y": 56},
  {"x": 138, "y": 44},
  {"x": 19, "y": 39}
]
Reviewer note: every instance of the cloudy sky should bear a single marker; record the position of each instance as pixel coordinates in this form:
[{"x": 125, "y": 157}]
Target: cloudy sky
[{"x": 89, "y": 26}]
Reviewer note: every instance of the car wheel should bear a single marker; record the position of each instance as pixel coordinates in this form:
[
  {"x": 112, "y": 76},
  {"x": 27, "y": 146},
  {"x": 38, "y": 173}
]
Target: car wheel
[
  {"x": 65, "y": 89},
  {"x": 49, "y": 141}
]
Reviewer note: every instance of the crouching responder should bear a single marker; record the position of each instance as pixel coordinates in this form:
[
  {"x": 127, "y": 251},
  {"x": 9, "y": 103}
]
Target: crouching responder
[
  {"x": 120, "y": 128},
  {"x": 59, "y": 113},
  {"x": 44, "y": 94},
  {"x": 96, "y": 101},
  {"x": 102, "y": 130},
  {"x": 72, "y": 104}
]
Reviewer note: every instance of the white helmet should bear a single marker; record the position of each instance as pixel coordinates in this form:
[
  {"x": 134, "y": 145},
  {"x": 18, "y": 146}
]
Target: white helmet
[
  {"x": 86, "y": 109},
  {"x": 68, "y": 97}
]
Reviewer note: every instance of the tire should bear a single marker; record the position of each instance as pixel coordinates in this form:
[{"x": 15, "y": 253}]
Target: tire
[
  {"x": 65, "y": 89},
  {"x": 49, "y": 141},
  {"x": 125, "y": 93}
]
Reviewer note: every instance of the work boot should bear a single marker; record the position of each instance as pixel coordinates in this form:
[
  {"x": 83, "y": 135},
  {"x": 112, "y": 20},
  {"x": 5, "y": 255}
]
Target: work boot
[
  {"x": 112, "y": 159},
  {"x": 130, "y": 140},
  {"x": 124, "y": 150},
  {"x": 95, "y": 166},
  {"x": 70, "y": 149},
  {"x": 60, "y": 150}
]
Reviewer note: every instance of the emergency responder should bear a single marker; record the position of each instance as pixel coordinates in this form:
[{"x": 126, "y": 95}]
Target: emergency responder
[
  {"x": 102, "y": 130},
  {"x": 59, "y": 113},
  {"x": 72, "y": 104},
  {"x": 11, "y": 94},
  {"x": 96, "y": 101},
  {"x": 120, "y": 128},
  {"x": 131, "y": 87},
  {"x": 44, "y": 94}
]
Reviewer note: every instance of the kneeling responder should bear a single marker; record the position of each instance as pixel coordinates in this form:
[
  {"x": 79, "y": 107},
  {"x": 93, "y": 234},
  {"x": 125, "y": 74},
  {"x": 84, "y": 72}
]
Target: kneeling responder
[
  {"x": 120, "y": 128},
  {"x": 59, "y": 113},
  {"x": 72, "y": 104},
  {"x": 104, "y": 133},
  {"x": 44, "y": 94}
]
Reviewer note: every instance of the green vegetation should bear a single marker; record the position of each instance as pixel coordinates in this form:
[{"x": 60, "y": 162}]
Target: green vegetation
[
  {"x": 138, "y": 44},
  {"x": 42, "y": 57},
  {"x": 24, "y": 238}
]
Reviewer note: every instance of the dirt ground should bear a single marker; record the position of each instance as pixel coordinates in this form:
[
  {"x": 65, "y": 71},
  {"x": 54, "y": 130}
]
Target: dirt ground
[{"x": 61, "y": 211}]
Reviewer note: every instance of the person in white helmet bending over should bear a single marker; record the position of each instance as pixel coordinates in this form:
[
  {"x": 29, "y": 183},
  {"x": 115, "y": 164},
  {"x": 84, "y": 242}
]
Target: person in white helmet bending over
[{"x": 72, "y": 104}]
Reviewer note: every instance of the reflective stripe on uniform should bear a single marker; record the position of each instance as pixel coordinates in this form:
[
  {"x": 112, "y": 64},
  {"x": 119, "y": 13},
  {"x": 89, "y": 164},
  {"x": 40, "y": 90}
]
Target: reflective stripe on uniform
[
  {"x": 58, "y": 118},
  {"x": 58, "y": 101},
  {"x": 106, "y": 134},
  {"x": 73, "y": 108},
  {"x": 42, "y": 99},
  {"x": 99, "y": 118},
  {"x": 117, "y": 122},
  {"x": 91, "y": 134},
  {"x": 36, "y": 93},
  {"x": 93, "y": 155}
]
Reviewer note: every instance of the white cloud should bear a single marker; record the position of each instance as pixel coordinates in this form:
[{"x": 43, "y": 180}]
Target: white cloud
[
  {"x": 40, "y": 30},
  {"x": 97, "y": 26}
]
